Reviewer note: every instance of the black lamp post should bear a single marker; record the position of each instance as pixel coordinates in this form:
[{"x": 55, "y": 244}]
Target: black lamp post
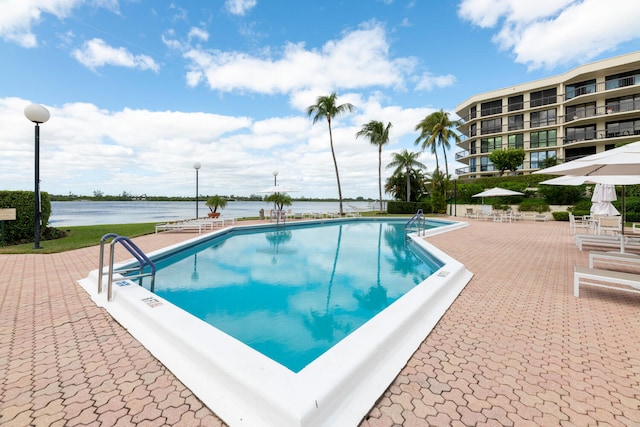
[
  {"x": 196, "y": 166},
  {"x": 37, "y": 114}
]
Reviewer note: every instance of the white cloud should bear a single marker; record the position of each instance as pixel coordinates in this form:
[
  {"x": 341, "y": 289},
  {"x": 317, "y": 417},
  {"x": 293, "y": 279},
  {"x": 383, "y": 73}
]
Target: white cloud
[
  {"x": 198, "y": 33},
  {"x": 360, "y": 59},
  {"x": 428, "y": 81},
  {"x": 19, "y": 16},
  {"x": 97, "y": 53},
  {"x": 549, "y": 33},
  {"x": 239, "y": 7}
]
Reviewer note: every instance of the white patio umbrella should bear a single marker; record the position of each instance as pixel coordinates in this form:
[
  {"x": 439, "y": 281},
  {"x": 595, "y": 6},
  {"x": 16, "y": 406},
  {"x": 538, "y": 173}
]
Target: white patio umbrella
[
  {"x": 623, "y": 160},
  {"x": 618, "y": 166},
  {"x": 497, "y": 191},
  {"x": 603, "y": 195}
]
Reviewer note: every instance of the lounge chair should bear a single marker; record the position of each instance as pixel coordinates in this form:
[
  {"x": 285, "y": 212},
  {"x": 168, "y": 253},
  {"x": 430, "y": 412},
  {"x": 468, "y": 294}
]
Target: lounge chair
[
  {"x": 596, "y": 240},
  {"x": 605, "y": 279},
  {"x": 613, "y": 258}
]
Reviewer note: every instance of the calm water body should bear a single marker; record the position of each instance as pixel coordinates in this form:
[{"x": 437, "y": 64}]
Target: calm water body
[
  {"x": 293, "y": 293},
  {"x": 93, "y": 213}
]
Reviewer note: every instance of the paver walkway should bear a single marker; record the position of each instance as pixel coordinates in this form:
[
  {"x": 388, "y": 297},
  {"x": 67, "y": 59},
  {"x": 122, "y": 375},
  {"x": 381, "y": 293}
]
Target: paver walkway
[{"x": 515, "y": 348}]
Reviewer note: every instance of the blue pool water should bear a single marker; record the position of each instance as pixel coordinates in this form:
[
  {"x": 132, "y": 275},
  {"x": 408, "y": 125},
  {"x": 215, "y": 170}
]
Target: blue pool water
[{"x": 292, "y": 293}]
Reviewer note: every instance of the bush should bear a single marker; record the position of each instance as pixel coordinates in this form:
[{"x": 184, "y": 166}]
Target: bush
[
  {"x": 533, "y": 205},
  {"x": 560, "y": 216},
  {"x": 21, "y": 230},
  {"x": 400, "y": 207}
]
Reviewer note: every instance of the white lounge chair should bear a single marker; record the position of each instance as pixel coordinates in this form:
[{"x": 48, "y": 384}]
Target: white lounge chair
[
  {"x": 613, "y": 258},
  {"x": 605, "y": 279}
]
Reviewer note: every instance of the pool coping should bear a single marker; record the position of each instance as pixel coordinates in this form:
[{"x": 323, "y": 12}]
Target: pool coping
[{"x": 243, "y": 387}]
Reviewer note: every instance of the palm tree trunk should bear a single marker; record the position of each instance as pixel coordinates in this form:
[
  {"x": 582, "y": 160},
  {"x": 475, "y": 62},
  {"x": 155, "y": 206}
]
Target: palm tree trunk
[
  {"x": 446, "y": 163},
  {"x": 408, "y": 186},
  {"x": 335, "y": 163},
  {"x": 380, "y": 174}
]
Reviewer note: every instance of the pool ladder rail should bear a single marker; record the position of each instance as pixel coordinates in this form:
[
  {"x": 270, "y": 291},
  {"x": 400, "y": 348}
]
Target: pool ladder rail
[
  {"x": 416, "y": 223},
  {"x": 141, "y": 257}
]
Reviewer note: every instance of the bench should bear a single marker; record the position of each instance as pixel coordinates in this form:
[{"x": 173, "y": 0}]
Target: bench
[{"x": 595, "y": 277}]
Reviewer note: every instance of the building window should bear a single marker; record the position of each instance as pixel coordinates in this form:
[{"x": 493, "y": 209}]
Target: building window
[
  {"x": 486, "y": 165},
  {"x": 539, "y": 157},
  {"x": 472, "y": 147},
  {"x": 473, "y": 130},
  {"x": 581, "y": 111},
  {"x": 491, "y": 126},
  {"x": 516, "y": 140},
  {"x": 622, "y": 104},
  {"x": 623, "y": 79},
  {"x": 487, "y": 145},
  {"x": 491, "y": 107},
  {"x": 582, "y": 88},
  {"x": 473, "y": 112},
  {"x": 543, "y": 118},
  {"x": 543, "y": 97},
  {"x": 516, "y": 122},
  {"x": 623, "y": 128},
  {"x": 472, "y": 164},
  {"x": 516, "y": 102},
  {"x": 580, "y": 133},
  {"x": 545, "y": 138}
]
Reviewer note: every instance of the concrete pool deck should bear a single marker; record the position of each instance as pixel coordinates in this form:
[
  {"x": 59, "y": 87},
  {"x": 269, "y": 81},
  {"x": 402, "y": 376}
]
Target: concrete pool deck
[{"x": 515, "y": 348}]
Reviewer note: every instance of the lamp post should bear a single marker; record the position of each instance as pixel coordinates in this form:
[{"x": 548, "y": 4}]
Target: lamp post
[
  {"x": 454, "y": 177},
  {"x": 37, "y": 114},
  {"x": 275, "y": 184},
  {"x": 196, "y": 166}
]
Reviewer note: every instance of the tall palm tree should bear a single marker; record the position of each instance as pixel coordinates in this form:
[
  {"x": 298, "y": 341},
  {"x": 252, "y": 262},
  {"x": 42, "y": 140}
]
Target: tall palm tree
[
  {"x": 436, "y": 130},
  {"x": 406, "y": 160},
  {"x": 377, "y": 134},
  {"x": 326, "y": 107}
]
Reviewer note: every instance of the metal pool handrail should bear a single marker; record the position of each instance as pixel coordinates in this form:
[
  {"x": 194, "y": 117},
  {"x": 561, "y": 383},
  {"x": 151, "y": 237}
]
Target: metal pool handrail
[
  {"x": 417, "y": 221},
  {"x": 134, "y": 250}
]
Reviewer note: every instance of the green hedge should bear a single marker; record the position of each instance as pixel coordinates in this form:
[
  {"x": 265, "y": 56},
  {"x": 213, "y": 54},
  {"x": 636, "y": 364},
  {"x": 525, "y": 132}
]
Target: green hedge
[
  {"x": 400, "y": 207},
  {"x": 21, "y": 230}
]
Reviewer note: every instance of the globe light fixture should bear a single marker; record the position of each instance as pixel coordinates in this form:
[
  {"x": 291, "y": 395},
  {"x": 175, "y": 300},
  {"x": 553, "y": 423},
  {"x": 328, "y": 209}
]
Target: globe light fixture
[{"x": 37, "y": 114}]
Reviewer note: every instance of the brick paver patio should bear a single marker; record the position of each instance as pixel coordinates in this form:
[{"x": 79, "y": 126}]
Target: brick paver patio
[{"x": 516, "y": 348}]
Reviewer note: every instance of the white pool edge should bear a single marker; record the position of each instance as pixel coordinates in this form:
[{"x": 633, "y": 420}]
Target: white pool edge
[{"x": 243, "y": 387}]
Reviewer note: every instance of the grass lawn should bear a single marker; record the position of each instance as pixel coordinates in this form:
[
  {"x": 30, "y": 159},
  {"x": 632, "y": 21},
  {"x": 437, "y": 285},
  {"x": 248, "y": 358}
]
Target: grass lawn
[{"x": 80, "y": 237}]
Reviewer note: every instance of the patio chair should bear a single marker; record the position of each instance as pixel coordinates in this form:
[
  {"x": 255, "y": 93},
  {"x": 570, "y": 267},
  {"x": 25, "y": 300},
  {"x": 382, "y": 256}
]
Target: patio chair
[
  {"x": 578, "y": 224},
  {"x": 609, "y": 224}
]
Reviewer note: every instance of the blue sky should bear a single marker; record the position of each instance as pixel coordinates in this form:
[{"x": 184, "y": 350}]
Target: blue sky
[{"x": 140, "y": 90}]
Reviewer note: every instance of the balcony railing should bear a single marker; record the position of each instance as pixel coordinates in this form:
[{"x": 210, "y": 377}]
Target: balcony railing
[
  {"x": 586, "y": 114},
  {"x": 574, "y": 93}
]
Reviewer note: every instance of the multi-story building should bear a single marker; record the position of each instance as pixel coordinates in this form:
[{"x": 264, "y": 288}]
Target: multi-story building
[{"x": 583, "y": 111}]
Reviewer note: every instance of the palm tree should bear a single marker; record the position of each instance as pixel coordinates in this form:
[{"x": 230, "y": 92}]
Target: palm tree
[
  {"x": 215, "y": 202},
  {"x": 325, "y": 107},
  {"x": 437, "y": 129},
  {"x": 378, "y": 134},
  {"x": 406, "y": 160}
]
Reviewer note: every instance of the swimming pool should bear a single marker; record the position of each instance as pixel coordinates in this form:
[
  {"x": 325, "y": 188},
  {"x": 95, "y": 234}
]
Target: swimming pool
[
  {"x": 243, "y": 386},
  {"x": 308, "y": 285}
]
